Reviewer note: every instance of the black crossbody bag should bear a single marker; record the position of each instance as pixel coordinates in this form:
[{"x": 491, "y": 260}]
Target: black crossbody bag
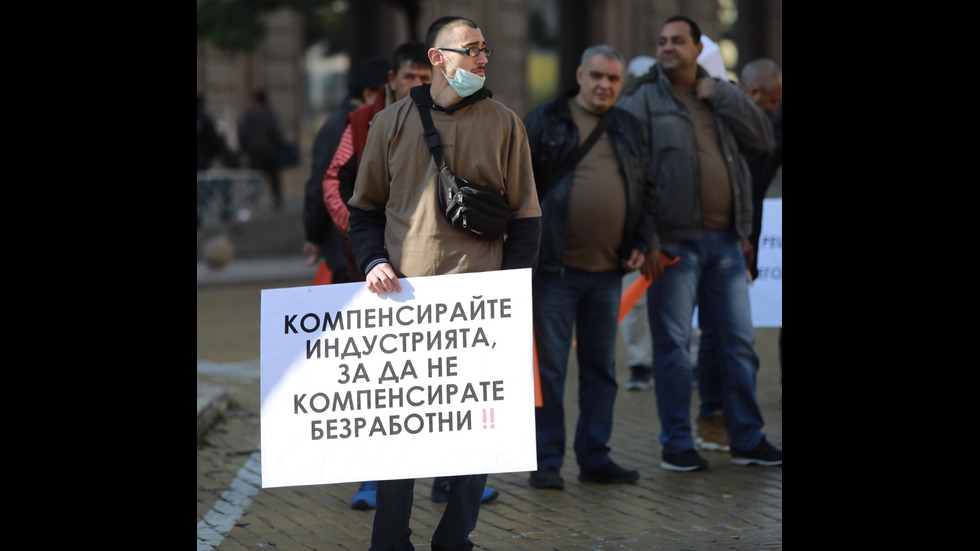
[{"x": 468, "y": 206}]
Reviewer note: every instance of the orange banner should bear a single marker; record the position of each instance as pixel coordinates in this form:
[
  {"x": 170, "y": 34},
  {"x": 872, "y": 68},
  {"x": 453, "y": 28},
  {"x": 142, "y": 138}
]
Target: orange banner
[{"x": 324, "y": 275}]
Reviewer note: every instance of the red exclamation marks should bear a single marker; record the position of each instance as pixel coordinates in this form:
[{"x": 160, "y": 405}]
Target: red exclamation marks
[{"x": 485, "y": 418}]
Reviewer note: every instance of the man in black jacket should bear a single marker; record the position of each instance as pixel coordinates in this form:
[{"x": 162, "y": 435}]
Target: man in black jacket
[
  {"x": 597, "y": 224},
  {"x": 365, "y": 80}
]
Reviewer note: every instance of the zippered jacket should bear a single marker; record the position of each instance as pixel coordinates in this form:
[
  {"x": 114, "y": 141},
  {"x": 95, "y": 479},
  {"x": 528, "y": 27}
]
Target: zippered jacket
[{"x": 743, "y": 130}]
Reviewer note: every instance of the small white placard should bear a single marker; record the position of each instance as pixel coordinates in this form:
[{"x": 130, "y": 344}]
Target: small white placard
[{"x": 766, "y": 292}]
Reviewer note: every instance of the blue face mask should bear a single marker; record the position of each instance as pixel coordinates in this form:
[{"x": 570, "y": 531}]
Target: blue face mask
[{"x": 464, "y": 83}]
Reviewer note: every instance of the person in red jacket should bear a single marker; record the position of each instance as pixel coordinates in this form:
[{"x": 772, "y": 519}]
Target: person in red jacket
[{"x": 410, "y": 67}]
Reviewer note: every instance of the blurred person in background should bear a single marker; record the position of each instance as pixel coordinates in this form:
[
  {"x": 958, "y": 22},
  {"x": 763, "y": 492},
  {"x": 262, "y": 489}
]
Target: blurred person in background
[
  {"x": 260, "y": 134},
  {"x": 365, "y": 79},
  {"x": 208, "y": 140},
  {"x": 409, "y": 66},
  {"x": 211, "y": 146}
]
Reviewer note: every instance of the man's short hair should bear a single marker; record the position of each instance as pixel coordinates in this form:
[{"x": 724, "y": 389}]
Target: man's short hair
[
  {"x": 695, "y": 29},
  {"x": 762, "y": 72},
  {"x": 369, "y": 73},
  {"x": 602, "y": 49},
  {"x": 414, "y": 53},
  {"x": 447, "y": 22}
]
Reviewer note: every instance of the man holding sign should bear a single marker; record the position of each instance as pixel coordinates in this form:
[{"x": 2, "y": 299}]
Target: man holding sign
[{"x": 398, "y": 230}]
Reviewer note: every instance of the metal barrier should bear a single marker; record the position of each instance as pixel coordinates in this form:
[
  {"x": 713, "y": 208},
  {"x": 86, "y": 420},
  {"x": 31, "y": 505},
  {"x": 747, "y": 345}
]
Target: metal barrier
[{"x": 223, "y": 194}]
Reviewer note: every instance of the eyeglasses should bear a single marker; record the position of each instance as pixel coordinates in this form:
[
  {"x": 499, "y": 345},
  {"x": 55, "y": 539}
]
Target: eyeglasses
[{"x": 472, "y": 51}]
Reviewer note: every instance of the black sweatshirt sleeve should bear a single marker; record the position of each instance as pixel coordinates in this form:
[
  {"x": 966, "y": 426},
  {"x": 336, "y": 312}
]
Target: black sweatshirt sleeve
[
  {"x": 522, "y": 244},
  {"x": 366, "y": 236}
]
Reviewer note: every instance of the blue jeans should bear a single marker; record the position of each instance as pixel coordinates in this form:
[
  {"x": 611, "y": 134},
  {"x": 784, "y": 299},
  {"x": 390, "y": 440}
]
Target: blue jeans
[
  {"x": 710, "y": 274},
  {"x": 589, "y": 302},
  {"x": 391, "y": 530}
]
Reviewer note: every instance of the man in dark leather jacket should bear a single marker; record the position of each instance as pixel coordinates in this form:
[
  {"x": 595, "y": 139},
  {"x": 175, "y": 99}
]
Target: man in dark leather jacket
[
  {"x": 597, "y": 223},
  {"x": 553, "y": 137}
]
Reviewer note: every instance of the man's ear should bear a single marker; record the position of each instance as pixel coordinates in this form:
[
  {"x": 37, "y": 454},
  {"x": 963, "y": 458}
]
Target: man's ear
[{"x": 435, "y": 57}]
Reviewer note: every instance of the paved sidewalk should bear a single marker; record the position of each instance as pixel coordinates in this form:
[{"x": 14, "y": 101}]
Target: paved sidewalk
[
  {"x": 256, "y": 271},
  {"x": 726, "y": 507}
]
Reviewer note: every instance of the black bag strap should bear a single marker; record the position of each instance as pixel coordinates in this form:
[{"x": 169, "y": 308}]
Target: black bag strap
[
  {"x": 576, "y": 156},
  {"x": 430, "y": 133}
]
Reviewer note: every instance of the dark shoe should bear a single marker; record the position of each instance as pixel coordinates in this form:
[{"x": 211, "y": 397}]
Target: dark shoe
[
  {"x": 547, "y": 479},
  {"x": 366, "y": 497},
  {"x": 763, "y": 454},
  {"x": 641, "y": 378},
  {"x": 610, "y": 473},
  {"x": 687, "y": 460},
  {"x": 440, "y": 492}
]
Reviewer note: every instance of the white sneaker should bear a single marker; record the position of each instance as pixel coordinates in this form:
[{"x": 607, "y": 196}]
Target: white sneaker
[{"x": 641, "y": 378}]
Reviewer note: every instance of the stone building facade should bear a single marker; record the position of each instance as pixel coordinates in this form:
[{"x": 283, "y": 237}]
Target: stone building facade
[{"x": 277, "y": 65}]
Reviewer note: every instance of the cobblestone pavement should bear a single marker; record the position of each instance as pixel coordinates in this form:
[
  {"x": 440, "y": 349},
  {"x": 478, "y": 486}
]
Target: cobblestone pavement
[{"x": 726, "y": 507}]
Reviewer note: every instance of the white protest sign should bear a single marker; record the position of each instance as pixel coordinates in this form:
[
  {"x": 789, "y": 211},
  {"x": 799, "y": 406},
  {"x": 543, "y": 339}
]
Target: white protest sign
[
  {"x": 437, "y": 380},
  {"x": 766, "y": 292}
]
